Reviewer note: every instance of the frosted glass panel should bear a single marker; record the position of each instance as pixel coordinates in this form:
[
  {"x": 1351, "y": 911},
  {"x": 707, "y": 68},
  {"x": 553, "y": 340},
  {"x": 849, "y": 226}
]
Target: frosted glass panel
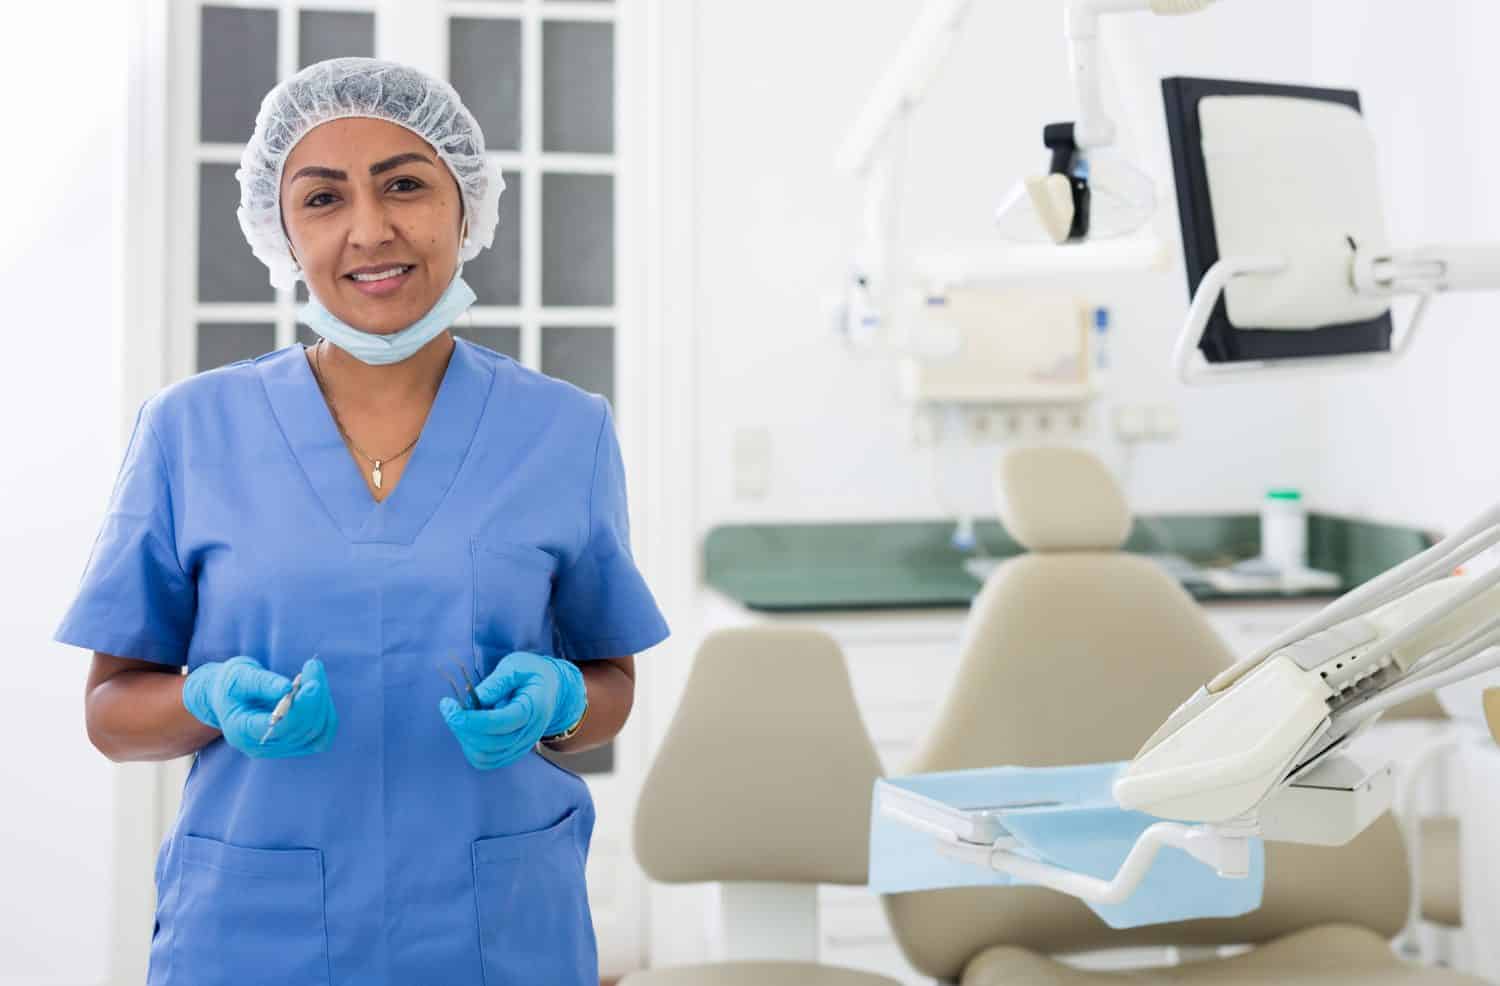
[
  {"x": 237, "y": 68},
  {"x": 325, "y": 34},
  {"x": 582, "y": 355},
  {"x": 227, "y": 270},
  {"x": 599, "y": 760},
  {"x": 484, "y": 65},
  {"x": 578, "y": 87},
  {"x": 578, "y": 239},
  {"x": 224, "y": 342},
  {"x": 501, "y": 338},
  {"x": 495, "y": 275}
]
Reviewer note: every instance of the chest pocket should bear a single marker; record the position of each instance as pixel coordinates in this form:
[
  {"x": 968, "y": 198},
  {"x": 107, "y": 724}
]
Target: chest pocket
[{"x": 512, "y": 599}]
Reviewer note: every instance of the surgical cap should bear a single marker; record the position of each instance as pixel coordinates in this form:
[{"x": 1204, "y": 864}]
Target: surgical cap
[{"x": 338, "y": 89}]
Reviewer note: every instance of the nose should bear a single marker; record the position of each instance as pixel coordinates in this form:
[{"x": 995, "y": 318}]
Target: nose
[{"x": 370, "y": 223}]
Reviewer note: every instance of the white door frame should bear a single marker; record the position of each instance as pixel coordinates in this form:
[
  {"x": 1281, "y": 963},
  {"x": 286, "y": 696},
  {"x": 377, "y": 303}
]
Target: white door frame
[
  {"x": 667, "y": 486},
  {"x": 143, "y": 358}
]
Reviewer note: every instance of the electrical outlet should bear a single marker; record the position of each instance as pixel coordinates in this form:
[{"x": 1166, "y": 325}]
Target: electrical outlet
[
  {"x": 1130, "y": 423},
  {"x": 979, "y": 424},
  {"x": 924, "y": 427},
  {"x": 1161, "y": 422},
  {"x": 751, "y": 460}
]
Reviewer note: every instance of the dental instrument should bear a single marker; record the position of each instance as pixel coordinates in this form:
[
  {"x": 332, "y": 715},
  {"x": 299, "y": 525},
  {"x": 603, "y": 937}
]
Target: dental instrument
[
  {"x": 466, "y": 696},
  {"x": 282, "y": 707}
]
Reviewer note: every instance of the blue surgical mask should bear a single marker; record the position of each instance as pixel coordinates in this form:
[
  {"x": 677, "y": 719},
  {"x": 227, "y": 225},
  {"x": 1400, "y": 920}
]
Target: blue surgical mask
[{"x": 377, "y": 349}]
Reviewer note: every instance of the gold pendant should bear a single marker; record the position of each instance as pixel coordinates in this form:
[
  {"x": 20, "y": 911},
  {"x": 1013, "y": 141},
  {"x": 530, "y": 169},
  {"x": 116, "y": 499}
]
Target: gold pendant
[{"x": 375, "y": 474}]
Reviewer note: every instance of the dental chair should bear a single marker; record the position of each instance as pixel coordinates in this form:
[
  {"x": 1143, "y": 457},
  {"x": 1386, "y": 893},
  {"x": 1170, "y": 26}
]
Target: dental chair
[
  {"x": 762, "y": 785},
  {"x": 1075, "y": 653}
]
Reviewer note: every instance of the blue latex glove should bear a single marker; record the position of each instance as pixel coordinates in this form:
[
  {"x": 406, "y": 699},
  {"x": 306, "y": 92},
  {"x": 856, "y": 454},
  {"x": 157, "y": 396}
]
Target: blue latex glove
[
  {"x": 526, "y": 697},
  {"x": 236, "y": 697}
]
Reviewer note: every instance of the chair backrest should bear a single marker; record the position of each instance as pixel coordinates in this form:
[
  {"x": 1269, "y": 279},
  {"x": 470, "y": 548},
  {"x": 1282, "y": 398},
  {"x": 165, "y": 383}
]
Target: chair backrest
[
  {"x": 1075, "y": 653},
  {"x": 766, "y": 772}
]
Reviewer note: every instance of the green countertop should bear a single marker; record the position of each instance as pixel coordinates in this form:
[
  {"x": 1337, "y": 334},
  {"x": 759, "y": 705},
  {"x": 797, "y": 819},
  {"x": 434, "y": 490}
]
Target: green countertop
[{"x": 912, "y": 565}]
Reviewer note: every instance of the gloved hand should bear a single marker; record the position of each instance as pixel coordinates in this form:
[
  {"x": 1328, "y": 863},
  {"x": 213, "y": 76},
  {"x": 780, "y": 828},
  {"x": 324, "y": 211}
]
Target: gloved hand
[
  {"x": 236, "y": 697},
  {"x": 526, "y": 697}
]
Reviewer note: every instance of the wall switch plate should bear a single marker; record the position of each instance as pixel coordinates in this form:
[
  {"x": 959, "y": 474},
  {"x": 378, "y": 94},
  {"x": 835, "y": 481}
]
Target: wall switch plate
[
  {"x": 1130, "y": 423},
  {"x": 752, "y": 463},
  {"x": 1161, "y": 422}
]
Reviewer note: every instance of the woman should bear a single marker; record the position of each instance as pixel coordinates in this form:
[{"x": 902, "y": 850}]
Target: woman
[{"x": 330, "y": 531}]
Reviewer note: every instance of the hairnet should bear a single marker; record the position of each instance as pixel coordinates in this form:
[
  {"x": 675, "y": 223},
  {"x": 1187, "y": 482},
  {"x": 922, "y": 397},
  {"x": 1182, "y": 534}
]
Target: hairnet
[{"x": 340, "y": 88}]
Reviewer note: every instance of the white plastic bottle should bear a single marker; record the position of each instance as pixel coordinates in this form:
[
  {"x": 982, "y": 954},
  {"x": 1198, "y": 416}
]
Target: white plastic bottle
[
  {"x": 1283, "y": 530},
  {"x": 1100, "y": 324}
]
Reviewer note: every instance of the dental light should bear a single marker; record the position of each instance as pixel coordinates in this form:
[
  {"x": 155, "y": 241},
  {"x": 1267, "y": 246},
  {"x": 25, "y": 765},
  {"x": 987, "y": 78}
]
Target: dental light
[{"x": 1090, "y": 191}]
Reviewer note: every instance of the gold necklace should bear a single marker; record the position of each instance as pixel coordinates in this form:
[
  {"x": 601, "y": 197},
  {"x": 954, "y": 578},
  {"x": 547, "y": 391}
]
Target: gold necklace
[{"x": 375, "y": 463}]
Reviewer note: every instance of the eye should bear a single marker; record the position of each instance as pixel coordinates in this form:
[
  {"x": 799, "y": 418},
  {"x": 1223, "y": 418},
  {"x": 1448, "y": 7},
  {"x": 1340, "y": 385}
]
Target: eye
[
  {"x": 410, "y": 185},
  {"x": 316, "y": 200}
]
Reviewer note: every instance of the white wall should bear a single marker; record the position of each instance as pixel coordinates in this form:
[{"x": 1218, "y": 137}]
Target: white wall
[
  {"x": 778, "y": 84},
  {"x": 781, "y": 82},
  {"x": 60, "y": 167},
  {"x": 1417, "y": 442}
]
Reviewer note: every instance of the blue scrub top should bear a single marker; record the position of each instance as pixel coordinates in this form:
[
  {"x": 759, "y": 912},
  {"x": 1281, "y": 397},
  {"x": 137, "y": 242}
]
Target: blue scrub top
[{"x": 240, "y": 524}]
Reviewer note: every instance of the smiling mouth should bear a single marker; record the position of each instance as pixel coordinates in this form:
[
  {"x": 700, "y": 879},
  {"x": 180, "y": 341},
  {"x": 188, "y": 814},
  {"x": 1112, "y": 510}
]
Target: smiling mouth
[{"x": 386, "y": 274}]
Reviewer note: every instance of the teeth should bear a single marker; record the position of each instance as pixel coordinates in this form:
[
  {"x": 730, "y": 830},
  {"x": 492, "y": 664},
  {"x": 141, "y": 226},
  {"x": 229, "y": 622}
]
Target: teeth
[{"x": 381, "y": 275}]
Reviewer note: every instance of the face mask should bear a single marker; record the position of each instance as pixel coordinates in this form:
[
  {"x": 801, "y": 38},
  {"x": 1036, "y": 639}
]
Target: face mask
[{"x": 377, "y": 349}]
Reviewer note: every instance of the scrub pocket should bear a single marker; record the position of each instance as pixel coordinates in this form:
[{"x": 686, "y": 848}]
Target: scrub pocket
[
  {"x": 512, "y": 594},
  {"x": 249, "y": 915},
  {"x": 534, "y": 921}
]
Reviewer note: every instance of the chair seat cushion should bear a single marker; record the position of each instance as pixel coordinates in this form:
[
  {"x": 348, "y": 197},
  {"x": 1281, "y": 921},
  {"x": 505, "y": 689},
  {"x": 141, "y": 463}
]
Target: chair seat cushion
[
  {"x": 757, "y": 974},
  {"x": 1329, "y": 955}
]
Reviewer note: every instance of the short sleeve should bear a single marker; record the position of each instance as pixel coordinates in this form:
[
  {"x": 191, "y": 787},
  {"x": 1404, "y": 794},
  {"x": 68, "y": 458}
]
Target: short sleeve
[
  {"x": 601, "y": 601},
  {"x": 134, "y": 599}
]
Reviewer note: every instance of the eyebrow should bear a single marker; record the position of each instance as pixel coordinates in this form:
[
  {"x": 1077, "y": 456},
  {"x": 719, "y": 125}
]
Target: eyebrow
[{"x": 315, "y": 171}]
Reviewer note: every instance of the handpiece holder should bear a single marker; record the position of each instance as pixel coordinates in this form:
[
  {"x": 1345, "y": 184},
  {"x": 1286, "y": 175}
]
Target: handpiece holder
[
  {"x": 1225, "y": 850},
  {"x": 1422, "y": 272},
  {"x": 1329, "y": 806}
]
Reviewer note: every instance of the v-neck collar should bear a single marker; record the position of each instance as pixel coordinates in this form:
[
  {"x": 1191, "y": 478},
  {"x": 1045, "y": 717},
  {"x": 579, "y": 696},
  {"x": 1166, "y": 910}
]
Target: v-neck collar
[{"x": 309, "y": 428}]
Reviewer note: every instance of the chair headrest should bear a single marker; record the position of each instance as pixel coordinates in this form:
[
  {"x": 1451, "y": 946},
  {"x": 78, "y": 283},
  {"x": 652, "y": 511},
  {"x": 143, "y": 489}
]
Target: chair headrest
[{"x": 1061, "y": 499}]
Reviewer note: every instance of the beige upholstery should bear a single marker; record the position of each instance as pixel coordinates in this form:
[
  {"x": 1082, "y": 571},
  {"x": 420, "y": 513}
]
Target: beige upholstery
[
  {"x": 765, "y": 775},
  {"x": 1442, "y": 887},
  {"x": 766, "y": 771},
  {"x": 1421, "y": 707},
  {"x": 1077, "y": 657},
  {"x": 1061, "y": 499},
  {"x": 756, "y": 974},
  {"x": 1070, "y": 658},
  {"x": 1330, "y": 955}
]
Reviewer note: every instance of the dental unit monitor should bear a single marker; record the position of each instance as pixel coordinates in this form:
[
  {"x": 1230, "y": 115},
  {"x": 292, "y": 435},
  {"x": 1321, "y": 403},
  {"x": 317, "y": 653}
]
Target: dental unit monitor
[{"x": 1284, "y": 238}]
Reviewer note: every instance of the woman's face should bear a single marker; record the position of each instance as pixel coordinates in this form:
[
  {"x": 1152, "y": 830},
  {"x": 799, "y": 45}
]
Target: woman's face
[{"x": 364, "y": 197}]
